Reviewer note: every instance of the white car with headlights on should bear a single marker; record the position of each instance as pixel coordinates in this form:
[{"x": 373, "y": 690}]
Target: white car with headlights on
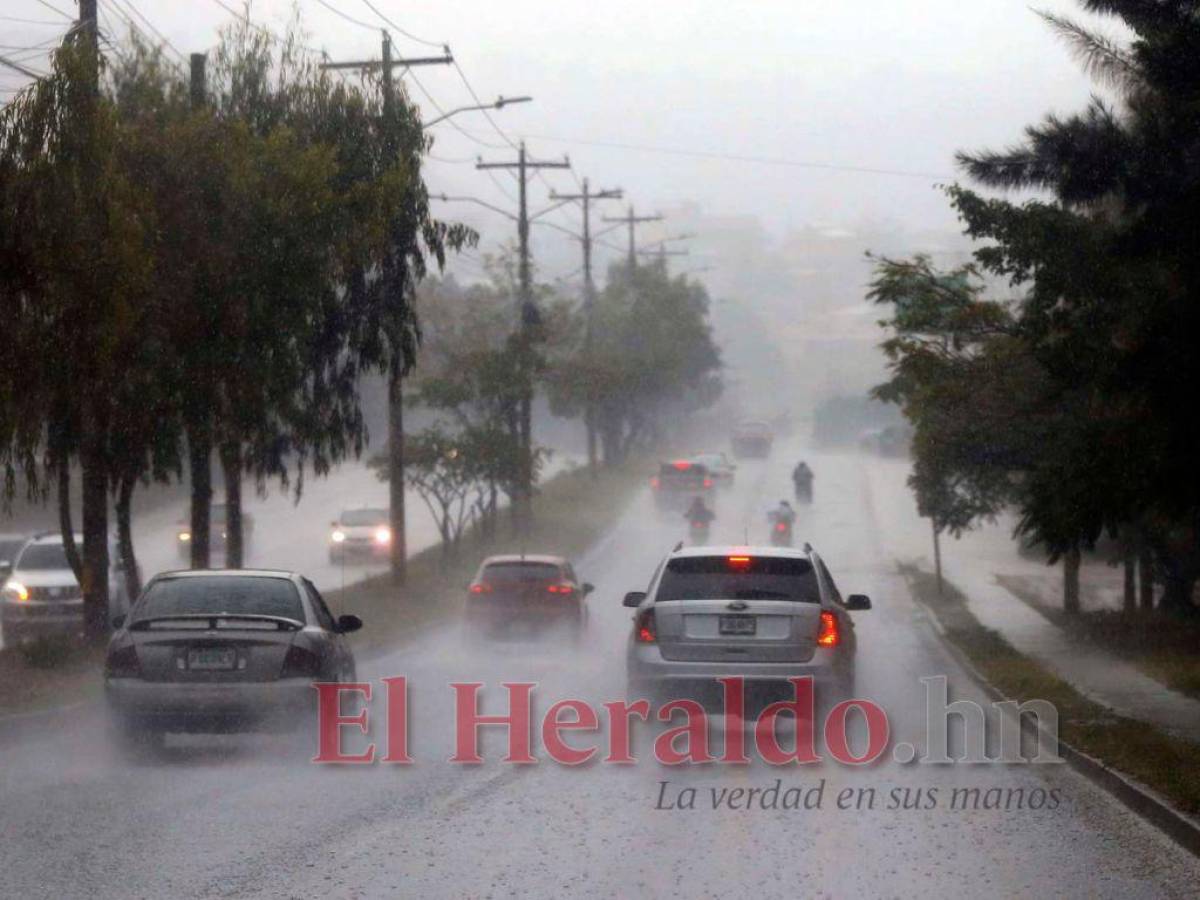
[
  {"x": 360, "y": 535},
  {"x": 765, "y": 613}
]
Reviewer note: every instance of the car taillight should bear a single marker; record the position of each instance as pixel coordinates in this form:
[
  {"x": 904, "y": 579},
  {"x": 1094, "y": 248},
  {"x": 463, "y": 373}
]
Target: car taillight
[
  {"x": 781, "y": 526},
  {"x": 122, "y": 662},
  {"x": 654, "y": 483},
  {"x": 481, "y": 587},
  {"x": 300, "y": 663},
  {"x": 644, "y": 627},
  {"x": 708, "y": 482},
  {"x": 561, "y": 589},
  {"x": 829, "y": 630}
]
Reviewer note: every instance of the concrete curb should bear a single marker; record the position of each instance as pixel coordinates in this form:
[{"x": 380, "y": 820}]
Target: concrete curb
[{"x": 1143, "y": 801}]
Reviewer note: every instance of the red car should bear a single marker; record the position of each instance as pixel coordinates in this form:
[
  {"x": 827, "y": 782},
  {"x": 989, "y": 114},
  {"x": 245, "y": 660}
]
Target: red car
[{"x": 526, "y": 594}]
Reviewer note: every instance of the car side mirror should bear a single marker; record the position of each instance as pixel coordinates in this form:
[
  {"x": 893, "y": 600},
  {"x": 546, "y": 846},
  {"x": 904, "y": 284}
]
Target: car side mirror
[
  {"x": 588, "y": 587},
  {"x": 118, "y": 621},
  {"x": 634, "y": 599},
  {"x": 347, "y": 624},
  {"x": 858, "y": 602}
]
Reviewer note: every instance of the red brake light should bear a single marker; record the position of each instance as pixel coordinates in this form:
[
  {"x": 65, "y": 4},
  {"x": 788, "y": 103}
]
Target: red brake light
[
  {"x": 123, "y": 662},
  {"x": 654, "y": 482},
  {"x": 682, "y": 465},
  {"x": 781, "y": 526},
  {"x": 561, "y": 589},
  {"x": 739, "y": 562},
  {"x": 300, "y": 663},
  {"x": 829, "y": 630},
  {"x": 645, "y": 630},
  {"x": 481, "y": 587},
  {"x": 708, "y": 482}
]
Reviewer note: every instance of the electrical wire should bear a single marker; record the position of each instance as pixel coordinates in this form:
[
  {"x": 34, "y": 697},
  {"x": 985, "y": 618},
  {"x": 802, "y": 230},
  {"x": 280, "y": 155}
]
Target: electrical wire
[
  {"x": 128, "y": 4},
  {"x": 349, "y": 18},
  {"x": 53, "y": 8},
  {"x": 407, "y": 34},
  {"x": 739, "y": 157}
]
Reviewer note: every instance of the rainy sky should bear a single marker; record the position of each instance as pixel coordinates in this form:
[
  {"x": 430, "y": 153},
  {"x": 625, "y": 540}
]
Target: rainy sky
[{"x": 868, "y": 83}]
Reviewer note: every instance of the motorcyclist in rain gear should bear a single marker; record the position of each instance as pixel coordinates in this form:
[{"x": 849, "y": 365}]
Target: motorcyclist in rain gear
[
  {"x": 802, "y": 480},
  {"x": 782, "y": 518},
  {"x": 699, "y": 516}
]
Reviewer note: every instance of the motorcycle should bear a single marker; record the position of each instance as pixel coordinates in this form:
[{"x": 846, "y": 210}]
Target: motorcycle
[
  {"x": 698, "y": 530},
  {"x": 781, "y": 532}
]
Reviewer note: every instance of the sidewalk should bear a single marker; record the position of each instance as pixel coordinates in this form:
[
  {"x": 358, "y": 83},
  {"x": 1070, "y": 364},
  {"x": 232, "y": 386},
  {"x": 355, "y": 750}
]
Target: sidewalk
[{"x": 972, "y": 564}]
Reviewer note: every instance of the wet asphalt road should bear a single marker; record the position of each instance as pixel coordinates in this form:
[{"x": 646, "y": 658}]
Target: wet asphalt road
[{"x": 223, "y": 817}]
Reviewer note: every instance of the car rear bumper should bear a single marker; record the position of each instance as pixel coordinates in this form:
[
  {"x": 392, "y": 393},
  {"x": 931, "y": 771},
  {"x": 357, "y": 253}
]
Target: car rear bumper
[
  {"x": 32, "y": 621},
  {"x": 645, "y": 665},
  {"x": 208, "y": 707}
]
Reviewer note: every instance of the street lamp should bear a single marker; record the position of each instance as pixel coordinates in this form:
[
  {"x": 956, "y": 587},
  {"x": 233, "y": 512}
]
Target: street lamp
[{"x": 500, "y": 103}]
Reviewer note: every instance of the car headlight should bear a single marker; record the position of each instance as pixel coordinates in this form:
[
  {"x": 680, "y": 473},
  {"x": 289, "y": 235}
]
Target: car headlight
[
  {"x": 383, "y": 535},
  {"x": 16, "y": 591},
  {"x": 185, "y": 536},
  {"x": 338, "y": 536}
]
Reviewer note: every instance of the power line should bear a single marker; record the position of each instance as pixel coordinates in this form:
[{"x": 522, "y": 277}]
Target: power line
[
  {"x": 399, "y": 30},
  {"x": 739, "y": 157},
  {"x": 349, "y": 18},
  {"x": 30, "y": 21},
  {"x": 52, "y": 8},
  {"x": 128, "y": 4}
]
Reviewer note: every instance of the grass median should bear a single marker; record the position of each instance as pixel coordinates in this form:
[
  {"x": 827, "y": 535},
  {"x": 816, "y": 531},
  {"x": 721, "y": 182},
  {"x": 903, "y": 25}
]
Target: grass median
[{"x": 1163, "y": 763}]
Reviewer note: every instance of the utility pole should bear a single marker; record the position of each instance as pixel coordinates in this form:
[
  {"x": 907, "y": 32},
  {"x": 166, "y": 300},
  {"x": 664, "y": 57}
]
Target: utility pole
[
  {"x": 399, "y": 545},
  {"x": 528, "y": 322},
  {"x": 632, "y": 220},
  {"x": 589, "y": 296},
  {"x": 197, "y": 85},
  {"x": 200, "y": 437}
]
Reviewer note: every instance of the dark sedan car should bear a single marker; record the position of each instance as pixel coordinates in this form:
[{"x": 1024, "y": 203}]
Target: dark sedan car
[
  {"x": 223, "y": 650},
  {"x": 526, "y": 594}
]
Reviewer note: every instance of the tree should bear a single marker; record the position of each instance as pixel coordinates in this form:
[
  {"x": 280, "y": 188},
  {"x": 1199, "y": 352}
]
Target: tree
[
  {"x": 652, "y": 359},
  {"x": 1113, "y": 277}
]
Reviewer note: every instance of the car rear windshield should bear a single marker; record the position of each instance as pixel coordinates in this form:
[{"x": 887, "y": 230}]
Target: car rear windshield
[
  {"x": 364, "y": 517},
  {"x": 43, "y": 557},
  {"x": 740, "y": 578},
  {"x": 520, "y": 573},
  {"x": 221, "y": 594}
]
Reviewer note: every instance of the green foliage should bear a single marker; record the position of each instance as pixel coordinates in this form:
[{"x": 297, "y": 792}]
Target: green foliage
[
  {"x": 651, "y": 357},
  {"x": 224, "y": 272}
]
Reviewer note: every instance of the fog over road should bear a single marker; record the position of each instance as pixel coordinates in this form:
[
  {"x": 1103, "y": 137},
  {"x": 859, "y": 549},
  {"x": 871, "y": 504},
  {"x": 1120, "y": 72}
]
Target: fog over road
[{"x": 250, "y": 816}]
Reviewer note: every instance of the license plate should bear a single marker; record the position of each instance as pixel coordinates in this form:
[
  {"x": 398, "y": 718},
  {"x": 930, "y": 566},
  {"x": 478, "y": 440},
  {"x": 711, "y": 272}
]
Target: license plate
[
  {"x": 738, "y": 624},
  {"x": 212, "y": 658}
]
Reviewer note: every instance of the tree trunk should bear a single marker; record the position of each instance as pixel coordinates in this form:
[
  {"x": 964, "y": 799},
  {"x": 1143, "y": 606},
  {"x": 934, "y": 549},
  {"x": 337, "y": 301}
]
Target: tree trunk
[
  {"x": 1071, "y": 561},
  {"x": 1145, "y": 577},
  {"x": 199, "y": 462},
  {"x": 1129, "y": 564},
  {"x": 65, "y": 526},
  {"x": 589, "y": 421},
  {"x": 94, "y": 580},
  {"x": 937, "y": 558},
  {"x": 129, "y": 566},
  {"x": 399, "y": 547},
  {"x": 231, "y": 467}
]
